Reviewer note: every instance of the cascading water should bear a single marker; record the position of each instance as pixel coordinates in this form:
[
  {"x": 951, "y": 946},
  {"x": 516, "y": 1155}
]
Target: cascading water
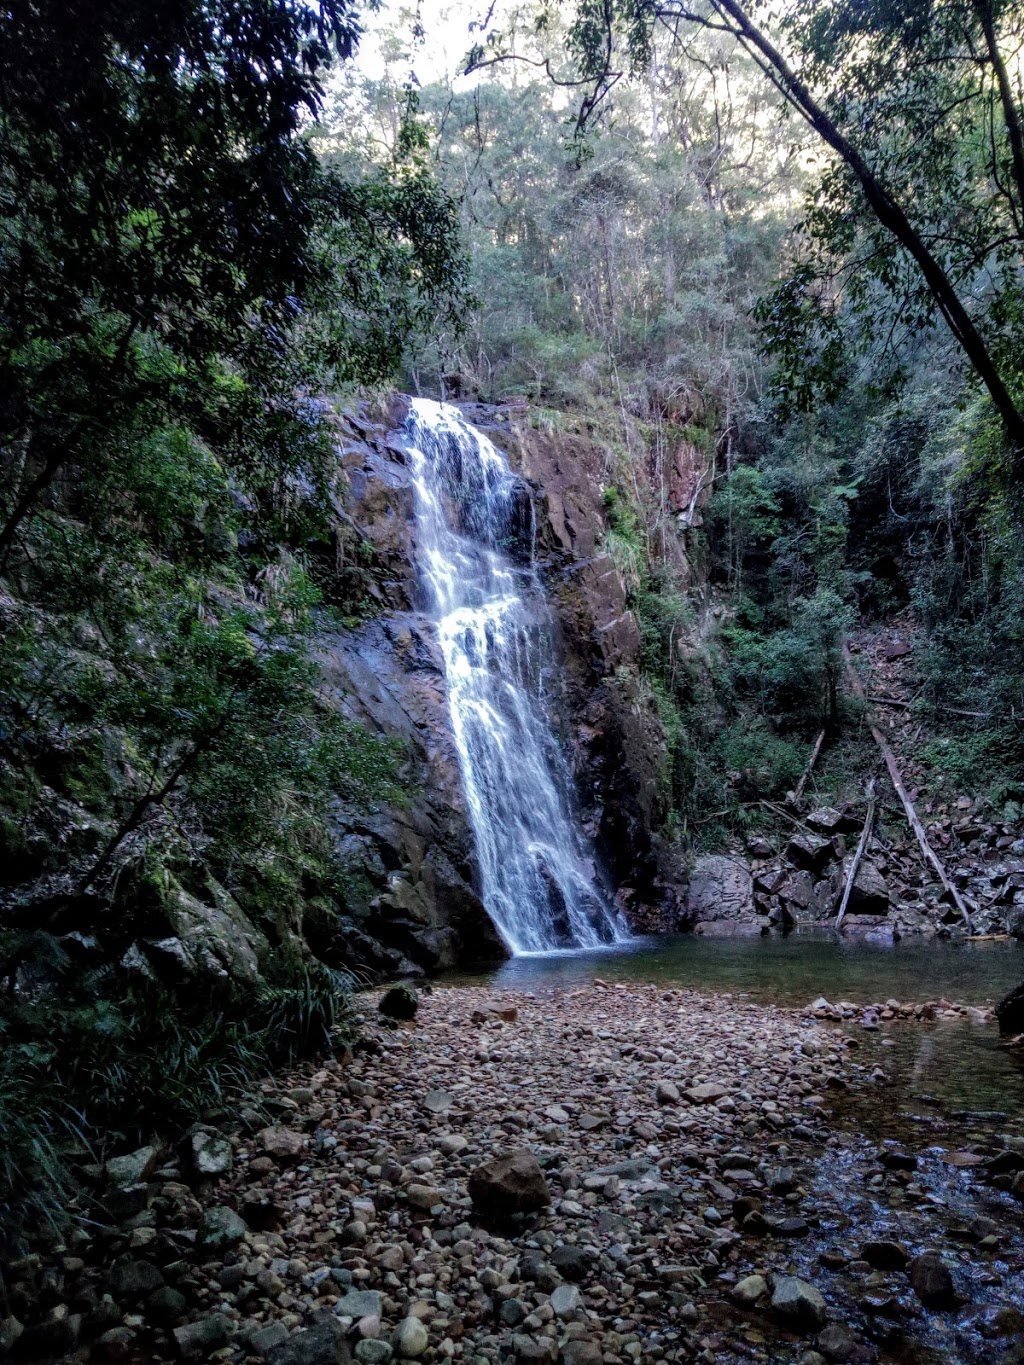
[{"x": 494, "y": 626}]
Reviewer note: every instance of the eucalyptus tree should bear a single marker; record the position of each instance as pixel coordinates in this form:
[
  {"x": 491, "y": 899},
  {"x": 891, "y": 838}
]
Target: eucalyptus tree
[{"x": 922, "y": 204}]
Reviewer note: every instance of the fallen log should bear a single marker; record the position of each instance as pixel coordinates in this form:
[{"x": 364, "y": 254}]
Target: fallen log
[
  {"x": 913, "y": 819},
  {"x": 805, "y": 775},
  {"x": 862, "y": 844},
  {"x": 939, "y": 706}
]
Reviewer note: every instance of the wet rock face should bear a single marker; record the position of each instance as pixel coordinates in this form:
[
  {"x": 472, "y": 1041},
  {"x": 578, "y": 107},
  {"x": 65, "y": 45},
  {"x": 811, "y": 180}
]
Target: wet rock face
[{"x": 414, "y": 895}]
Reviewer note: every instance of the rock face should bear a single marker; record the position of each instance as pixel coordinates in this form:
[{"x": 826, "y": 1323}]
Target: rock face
[
  {"x": 721, "y": 888},
  {"x": 413, "y": 897}
]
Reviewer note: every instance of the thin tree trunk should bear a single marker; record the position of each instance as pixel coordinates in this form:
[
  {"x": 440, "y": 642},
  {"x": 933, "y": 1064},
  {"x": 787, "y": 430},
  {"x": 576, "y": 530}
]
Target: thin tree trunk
[
  {"x": 886, "y": 209},
  {"x": 1011, "y": 115},
  {"x": 913, "y": 819},
  {"x": 862, "y": 844},
  {"x": 805, "y": 775}
]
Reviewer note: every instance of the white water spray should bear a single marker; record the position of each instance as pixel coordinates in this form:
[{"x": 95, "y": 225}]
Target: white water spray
[{"x": 537, "y": 870}]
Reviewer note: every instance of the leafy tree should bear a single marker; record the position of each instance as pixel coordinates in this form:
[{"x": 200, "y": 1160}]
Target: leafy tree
[{"x": 925, "y": 192}]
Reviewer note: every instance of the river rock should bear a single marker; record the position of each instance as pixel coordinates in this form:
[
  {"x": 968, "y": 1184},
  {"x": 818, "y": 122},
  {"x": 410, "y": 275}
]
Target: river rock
[
  {"x": 210, "y": 1154},
  {"x": 322, "y": 1343},
  {"x": 508, "y": 1185},
  {"x": 411, "y": 1338},
  {"x": 220, "y": 1228},
  {"x": 932, "y": 1281},
  {"x": 360, "y": 1303},
  {"x": 707, "y": 1093},
  {"x": 749, "y": 1290},
  {"x": 197, "y": 1339},
  {"x": 400, "y": 1002},
  {"x": 282, "y": 1144},
  {"x": 130, "y": 1279},
  {"x": 132, "y": 1169},
  {"x": 798, "y": 1304},
  {"x": 565, "y": 1300},
  {"x": 883, "y": 1255}
]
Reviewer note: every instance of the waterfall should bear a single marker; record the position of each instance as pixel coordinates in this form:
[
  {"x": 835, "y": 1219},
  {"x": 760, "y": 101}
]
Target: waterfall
[{"x": 494, "y": 626}]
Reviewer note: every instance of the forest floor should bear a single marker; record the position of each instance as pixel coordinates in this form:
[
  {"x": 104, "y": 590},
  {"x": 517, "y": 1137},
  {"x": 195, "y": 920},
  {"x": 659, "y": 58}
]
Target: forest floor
[{"x": 713, "y": 1197}]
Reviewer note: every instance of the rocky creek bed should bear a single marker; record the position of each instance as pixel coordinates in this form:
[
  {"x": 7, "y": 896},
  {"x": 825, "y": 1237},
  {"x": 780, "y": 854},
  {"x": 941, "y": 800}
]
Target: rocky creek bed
[{"x": 694, "y": 1185}]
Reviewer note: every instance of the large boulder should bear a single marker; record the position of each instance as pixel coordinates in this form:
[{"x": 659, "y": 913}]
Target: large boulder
[
  {"x": 870, "y": 892},
  {"x": 721, "y": 888},
  {"x": 509, "y": 1185}
]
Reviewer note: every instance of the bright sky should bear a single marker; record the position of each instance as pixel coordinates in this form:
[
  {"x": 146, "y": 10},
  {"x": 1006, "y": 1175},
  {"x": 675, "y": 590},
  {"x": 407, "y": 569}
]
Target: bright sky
[{"x": 450, "y": 29}]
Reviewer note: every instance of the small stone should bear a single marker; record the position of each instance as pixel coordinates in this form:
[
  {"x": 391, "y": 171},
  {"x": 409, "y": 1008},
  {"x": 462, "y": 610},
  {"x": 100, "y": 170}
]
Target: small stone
[
  {"x": 707, "y": 1093},
  {"x": 932, "y": 1281},
  {"x": 452, "y": 1144},
  {"x": 437, "y": 1101},
  {"x": 360, "y": 1303},
  {"x": 423, "y": 1196},
  {"x": 211, "y": 1154},
  {"x": 166, "y": 1305},
  {"x": 132, "y": 1169},
  {"x": 371, "y": 1352},
  {"x": 534, "y": 1350},
  {"x": 200, "y": 1338},
  {"x": 131, "y": 1279},
  {"x": 220, "y": 1228},
  {"x": 411, "y": 1338},
  {"x": 798, "y": 1304},
  {"x": 581, "y": 1352},
  {"x": 283, "y": 1144},
  {"x": 883, "y": 1255},
  {"x": 837, "y": 1343},
  {"x": 749, "y": 1290},
  {"x": 566, "y": 1301},
  {"x": 666, "y": 1092},
  {"x": 574, "y": 1263}
]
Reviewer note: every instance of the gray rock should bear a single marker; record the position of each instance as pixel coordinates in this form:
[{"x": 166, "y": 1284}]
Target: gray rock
[
  {"x": 423, "y": 1196},
  {"x": 749, "y": 1290},
  {"x": 666, "y": 1092},
  {"x": 197, "y": 1339},
  {"x": 870, "y": 893},
  {"x": 721, "y": 888},
  {"x": 210, "y": 1154},
  {"x": 263, "y": 1340},
  {"x": 837, "y": 1343},
  {"x": 132, "y": 1169},
  {"x": 581, "y": 1353},
  {"x": 283, "y": 1144},
  {"x": 220, "y": 1228},
  {"x": 566, "y": 1301},
  {"x": 932, "y": 1281},
  {"x": 575, "y": 1263},
  {"x": 534, "y": 1350},
  {"x": 411, "y": 1338},
  {"x": 509, "y": 1184},
  {"x": 130, "y": 1279},
  {"x": 373, "y": 1351},
  {"x": 438, "y": 1101},
  {"x": 809, "y": 852},
  {"x": 322, "y": 1343},
  {"x": 166, "y": 1305},
  {"x": 360, "y": 1303},
  {"x": 798, "y": 1304}
]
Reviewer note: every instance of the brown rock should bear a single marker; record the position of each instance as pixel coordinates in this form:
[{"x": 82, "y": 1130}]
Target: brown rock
[{"x": 509, "y": 1184}]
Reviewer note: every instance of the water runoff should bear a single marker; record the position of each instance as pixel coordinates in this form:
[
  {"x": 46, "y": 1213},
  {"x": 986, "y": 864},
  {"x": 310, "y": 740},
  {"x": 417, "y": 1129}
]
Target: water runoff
[{"x": 475, "y": 526}]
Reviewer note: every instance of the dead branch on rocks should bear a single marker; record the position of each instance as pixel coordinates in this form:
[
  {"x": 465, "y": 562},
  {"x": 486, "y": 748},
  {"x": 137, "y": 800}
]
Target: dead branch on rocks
[
  {"x": 913, "y": 819},
  {"x": 805, "y": 775},
  {"x": 939, "y": 706},
  {"x": 862, "y": 843}
]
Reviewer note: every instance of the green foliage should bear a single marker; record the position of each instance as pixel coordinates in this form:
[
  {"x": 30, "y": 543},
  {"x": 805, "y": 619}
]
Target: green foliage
[{"x": 104, "y": 1059}]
